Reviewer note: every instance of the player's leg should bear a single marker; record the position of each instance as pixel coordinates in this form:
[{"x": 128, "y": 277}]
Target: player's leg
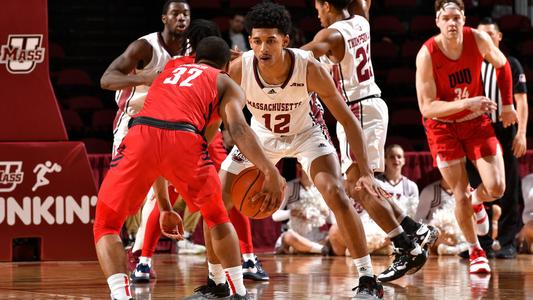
[
  {"x": 454, "y": 172},
  {"x": 324, "y": 171},
  {"x": 337, "y": 242},
  {"x": 121, "y": 193}
]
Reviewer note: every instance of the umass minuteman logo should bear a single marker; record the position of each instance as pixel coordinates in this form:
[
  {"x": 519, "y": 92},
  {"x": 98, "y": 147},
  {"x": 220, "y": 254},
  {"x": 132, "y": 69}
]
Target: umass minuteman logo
[{"x": 22, "y": 53}]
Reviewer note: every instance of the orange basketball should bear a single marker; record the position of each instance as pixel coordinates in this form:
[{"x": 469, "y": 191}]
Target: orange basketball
[{"x": 248, "y": 183}]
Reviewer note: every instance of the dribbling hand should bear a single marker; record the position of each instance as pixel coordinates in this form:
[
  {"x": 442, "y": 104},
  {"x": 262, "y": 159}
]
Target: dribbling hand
[
  {"x": 171, "y": 225},
  {"x": 273, "y": 190}
]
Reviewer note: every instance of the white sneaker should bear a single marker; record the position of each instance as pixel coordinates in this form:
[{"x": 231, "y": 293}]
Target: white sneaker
[{"x": 187, "y": 247}]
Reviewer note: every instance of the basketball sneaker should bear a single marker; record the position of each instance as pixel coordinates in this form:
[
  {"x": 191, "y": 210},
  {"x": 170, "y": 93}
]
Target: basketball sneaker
[
  {"x": 254, "y": 270},
  {"x": 133, "y": 261},
  {"x": 368, "y": 287},
  {"x": 405, "y": 262},
  {"x": 141, "y": 273},
  {"x": 479, "y": 262},
  {"x": 185, "y": 246},
  {"x": 426, "y": 236},
  {"x": 210, "y": 291},
  {"x": 481, "y": 219}
]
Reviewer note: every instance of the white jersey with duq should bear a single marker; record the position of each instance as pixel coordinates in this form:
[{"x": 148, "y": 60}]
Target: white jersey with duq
[
  {"x": 354, "y": 75},
  {"x": 285, "y": 109}
]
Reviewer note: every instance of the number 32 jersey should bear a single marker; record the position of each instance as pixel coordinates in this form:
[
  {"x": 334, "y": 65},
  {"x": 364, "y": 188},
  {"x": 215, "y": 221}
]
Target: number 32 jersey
[
  {"x": 284, "y": 109},
  {"x": 353, "y": 76}
]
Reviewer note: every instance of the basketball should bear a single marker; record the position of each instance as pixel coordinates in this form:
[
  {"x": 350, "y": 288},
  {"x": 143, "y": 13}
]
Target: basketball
[{"x": 248, "y": 183}]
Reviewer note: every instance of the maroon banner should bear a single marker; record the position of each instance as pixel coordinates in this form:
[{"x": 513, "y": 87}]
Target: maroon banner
[
  {"x": 47, "y": 191},
  {"x": 28, "y": 107}
]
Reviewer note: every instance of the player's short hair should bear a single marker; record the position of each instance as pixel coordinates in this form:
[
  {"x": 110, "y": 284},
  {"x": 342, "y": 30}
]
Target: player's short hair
[
  {"x": 338, "y": 4},
  {"x": 168, "y": 2},
  {"x": 213, "y": 49},
  {"x": 268, "y": 15},
  {"x": 439, "y": 4},
  {"x": 198, "y": 30},
  {"x": 489, "y": 21}
]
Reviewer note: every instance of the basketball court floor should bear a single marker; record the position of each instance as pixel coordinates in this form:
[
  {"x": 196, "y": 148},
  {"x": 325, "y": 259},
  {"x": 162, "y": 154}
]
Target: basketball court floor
[{"x": 292, "y": 277}]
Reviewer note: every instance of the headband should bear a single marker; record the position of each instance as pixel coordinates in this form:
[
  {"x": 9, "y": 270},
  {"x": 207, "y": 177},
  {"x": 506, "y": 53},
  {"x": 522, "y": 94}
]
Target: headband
[{"x": 450, "y": 5}]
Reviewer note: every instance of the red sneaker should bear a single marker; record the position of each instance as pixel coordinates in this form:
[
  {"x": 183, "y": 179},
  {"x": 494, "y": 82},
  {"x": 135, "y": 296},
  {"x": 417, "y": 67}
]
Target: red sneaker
[{"x": 479, "y": 262}]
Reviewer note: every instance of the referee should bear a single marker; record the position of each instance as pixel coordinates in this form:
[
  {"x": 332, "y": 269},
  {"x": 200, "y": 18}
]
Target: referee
[{"x": 513, "y": 142}]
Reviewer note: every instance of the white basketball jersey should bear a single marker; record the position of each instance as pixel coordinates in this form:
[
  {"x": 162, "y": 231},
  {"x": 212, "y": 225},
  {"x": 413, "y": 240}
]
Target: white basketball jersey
[
  {"x": 354, "y": 75},
  {"x": 282, "y": 110},
  {"x": 131, "y": 100},
  {"x": 404, "y": 193}
]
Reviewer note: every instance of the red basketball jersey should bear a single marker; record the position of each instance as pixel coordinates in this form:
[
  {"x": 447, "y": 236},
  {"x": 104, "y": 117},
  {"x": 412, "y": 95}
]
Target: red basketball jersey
[
  {"x": 187, "y": 93},
  {"x": 457, "y": 79}
]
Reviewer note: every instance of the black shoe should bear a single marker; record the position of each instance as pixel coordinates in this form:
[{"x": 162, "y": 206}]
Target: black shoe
[
  {"x": 507, "y": 252},
  {"x": 369, "y": 287},
  {"x": 425, "y": 236},
  {"x": 210, "y": 291},
  {"x": 239, "y": 297},
  {"x": 404, "y": 263},
  {"x": 254, "y": 270}
]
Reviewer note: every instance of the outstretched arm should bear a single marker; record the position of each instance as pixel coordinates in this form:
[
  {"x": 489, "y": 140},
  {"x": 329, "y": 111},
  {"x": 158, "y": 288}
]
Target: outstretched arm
[
  {"x": 324, "y": 43},
  {"x": 117, "y": 76},
  {"x": 231, "y": 107}
]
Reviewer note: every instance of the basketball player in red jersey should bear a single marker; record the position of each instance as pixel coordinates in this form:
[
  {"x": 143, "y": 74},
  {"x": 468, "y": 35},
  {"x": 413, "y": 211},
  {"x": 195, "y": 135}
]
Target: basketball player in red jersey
[
  {"x": 166, "y": 139},
  {"x": 450, "y": 97},
  {"x": 344, "y": 47}
]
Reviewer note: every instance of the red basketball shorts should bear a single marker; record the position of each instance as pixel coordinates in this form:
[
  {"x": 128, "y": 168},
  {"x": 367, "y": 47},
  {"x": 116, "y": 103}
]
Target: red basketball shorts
[
  {"x": 147, "y": 153},
  {"x": 453, "y": 141}
]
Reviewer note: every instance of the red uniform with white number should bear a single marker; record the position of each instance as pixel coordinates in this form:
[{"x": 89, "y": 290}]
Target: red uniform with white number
[
  {"x": 465, "y": 133},
  {"x": 354, "y": 78},
  {"x": 187, "y": 97}
]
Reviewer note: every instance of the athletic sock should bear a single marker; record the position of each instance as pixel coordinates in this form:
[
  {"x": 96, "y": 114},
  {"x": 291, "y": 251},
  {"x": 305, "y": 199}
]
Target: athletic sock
[
  {"x": 364, "y": 266},
  {"x": 234, "y": 276},
  {"x": 119, "y": 285},
  {"x": 216, "y": 273},
  {"x": 395, "y": 232}
]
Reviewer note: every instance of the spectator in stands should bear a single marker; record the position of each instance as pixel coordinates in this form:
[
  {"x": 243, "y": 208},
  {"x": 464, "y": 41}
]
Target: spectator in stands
[
  {"x": 403, "y": 190},
  {"x": 513, "y": 142},
  {"x": 304, "y": 212},
  {"x": 527, "y": 216},
  {"x": 236, "y": 36},
  {"x": 436, "y": 207}
]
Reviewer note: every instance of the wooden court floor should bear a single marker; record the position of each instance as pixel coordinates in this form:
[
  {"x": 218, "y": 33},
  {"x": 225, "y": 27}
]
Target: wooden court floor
[{"x": 292, "y": 277}]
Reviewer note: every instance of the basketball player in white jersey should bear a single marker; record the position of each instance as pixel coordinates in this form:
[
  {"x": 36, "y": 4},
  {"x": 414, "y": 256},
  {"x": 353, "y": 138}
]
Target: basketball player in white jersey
[
  {"x": 132, "y": 73},
  {"x": 344, "y": 46},
  {"x": 279, "y": 84}
]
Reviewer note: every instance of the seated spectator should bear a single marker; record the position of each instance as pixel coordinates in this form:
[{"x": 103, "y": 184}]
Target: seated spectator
[
  {"x": 236, "y": 37},
  {"x": 404, "y": 191},
  {"x": 437, "y": 207},
  {"x": 527, "y": 215},
  {"x": 404, "y": 194},
  {"x": 305, "y": 213}
]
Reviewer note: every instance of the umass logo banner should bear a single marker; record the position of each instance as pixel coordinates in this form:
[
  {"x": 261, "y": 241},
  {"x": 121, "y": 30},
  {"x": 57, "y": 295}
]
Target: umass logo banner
[{"x": 22, "y": 53}]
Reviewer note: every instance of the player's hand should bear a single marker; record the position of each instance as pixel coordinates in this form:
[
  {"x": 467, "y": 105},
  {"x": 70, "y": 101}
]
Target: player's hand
[
  {"x": 235, "y": 52},
  {"x": 150, "y": 77},
  {"x": 273, "y": 190},
  {"x": 508, "y": 117},
  {"x": 370, "y": 185},
  {"x": 519, "y": 145},
  {"x": 481, "y": 104},
  {"x": 171, "y": 225}
]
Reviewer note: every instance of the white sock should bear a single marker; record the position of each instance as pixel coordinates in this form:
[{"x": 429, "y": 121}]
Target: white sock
[
  {"x": 119, "y": 285},
  {"x": 216, "y": 273},
  {"x": 145, "y": 260},
  {"x": 235, "y": 281},
  {"x": 316, "y": 248},
  {"x": 364, "y": 266},
  {"x": 248, "y": 256},
  {"x": 473, "y": 246},
  {"x": 187, "y": 235},
  {"x": 395, "y": 232}
]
